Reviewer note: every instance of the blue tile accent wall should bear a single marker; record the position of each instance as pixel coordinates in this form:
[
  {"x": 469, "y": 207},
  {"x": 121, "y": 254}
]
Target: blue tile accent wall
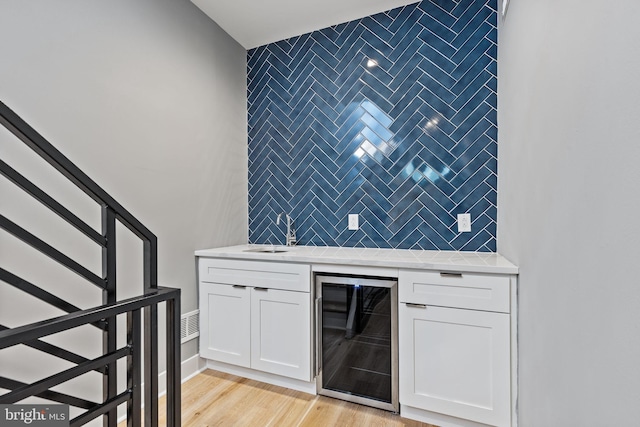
[{"x": 392, "y": 117}]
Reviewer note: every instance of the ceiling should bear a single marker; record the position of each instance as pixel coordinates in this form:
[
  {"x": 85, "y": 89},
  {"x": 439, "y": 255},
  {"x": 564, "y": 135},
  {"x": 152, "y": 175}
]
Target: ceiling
[{"x": 255, "y": 23}]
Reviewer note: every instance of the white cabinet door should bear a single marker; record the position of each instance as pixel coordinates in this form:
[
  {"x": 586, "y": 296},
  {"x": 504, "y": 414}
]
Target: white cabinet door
[
  {"x": 281, "y": 332},
  {"x": 455, "y": 362},
  {"x": 225, "y": 326}
]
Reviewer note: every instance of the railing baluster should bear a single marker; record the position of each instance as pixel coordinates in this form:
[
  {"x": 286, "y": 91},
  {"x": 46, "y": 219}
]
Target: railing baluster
[
  {"x": 151, "y": 366},
  {"x": 134, "y": 339},
  {"x": 150, "y": 259},
  {"x": 110, "y": 380},
  {"x": 173, "y": 362}
]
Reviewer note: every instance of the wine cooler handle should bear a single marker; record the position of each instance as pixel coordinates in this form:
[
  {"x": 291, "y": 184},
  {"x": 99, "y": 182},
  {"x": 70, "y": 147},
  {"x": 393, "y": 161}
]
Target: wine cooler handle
[{"x": 318, "y": 358}]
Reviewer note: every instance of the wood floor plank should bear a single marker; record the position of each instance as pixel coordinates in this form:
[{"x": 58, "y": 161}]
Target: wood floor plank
[{"x": 214, "y": 398}]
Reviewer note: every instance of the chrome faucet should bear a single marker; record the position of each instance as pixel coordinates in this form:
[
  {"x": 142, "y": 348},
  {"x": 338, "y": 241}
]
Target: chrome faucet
[{"x": 291, "y": 230}]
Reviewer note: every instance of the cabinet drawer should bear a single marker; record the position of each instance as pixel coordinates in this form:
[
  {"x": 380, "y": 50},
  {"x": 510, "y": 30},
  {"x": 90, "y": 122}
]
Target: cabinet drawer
[
  {"x": 467, "y": 290},
  {"x": 272, "y": 275}
]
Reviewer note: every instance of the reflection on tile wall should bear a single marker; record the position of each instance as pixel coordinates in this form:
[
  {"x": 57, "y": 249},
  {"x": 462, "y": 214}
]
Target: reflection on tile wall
[{"x": 392, "y": 117}]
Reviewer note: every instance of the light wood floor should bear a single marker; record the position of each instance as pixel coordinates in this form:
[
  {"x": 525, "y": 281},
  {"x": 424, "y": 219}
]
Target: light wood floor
[{"x": 216, "y": 399}]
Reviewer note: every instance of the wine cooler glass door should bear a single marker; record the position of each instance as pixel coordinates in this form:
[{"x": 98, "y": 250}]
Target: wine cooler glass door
[{"x": 357, "y": 330}]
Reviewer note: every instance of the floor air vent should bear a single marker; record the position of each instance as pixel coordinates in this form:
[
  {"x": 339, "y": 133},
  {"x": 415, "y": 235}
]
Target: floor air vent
[{"x": 189, "y": 326}]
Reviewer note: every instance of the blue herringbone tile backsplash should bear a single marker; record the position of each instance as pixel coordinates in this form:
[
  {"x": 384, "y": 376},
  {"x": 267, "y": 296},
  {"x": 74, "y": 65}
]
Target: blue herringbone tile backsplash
[{"x": 392, "y": 117}]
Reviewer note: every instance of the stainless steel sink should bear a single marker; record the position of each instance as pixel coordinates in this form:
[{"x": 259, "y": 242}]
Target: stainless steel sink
[{"x": 273, "y": 250}]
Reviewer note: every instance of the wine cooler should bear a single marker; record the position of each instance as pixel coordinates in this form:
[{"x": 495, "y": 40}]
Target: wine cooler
[{"x": 357, "y": 344}]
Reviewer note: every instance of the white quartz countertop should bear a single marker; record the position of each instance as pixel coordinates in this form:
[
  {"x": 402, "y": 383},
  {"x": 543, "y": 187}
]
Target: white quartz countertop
[{"x": 453, "y": 261}]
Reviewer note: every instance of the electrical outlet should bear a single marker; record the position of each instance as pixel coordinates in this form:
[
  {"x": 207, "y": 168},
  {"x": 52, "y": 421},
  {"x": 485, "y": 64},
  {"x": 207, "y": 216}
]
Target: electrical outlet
[
  {"x": 353, "y": 222},
  {"x": 464, "y": 222}
]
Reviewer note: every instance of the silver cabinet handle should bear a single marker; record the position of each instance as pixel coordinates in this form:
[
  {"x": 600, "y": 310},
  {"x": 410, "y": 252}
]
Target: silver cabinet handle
[
  {"x": 261, "y": 289},
  {"x": 318, "y": 332},
  {"x": 445, "y": 274},
  {"x": 239, "y": 287},
  {"x": 410, "y": 304}
]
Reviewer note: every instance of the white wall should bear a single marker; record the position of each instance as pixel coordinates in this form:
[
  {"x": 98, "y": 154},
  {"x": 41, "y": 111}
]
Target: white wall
[
  {"x": 569, "y": 148},
  {"x": 148, "y": 97}
]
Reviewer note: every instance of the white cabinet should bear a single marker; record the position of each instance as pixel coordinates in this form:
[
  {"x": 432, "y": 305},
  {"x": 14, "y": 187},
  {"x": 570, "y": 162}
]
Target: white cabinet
[
  {"x": 455, "y": 347},
  {"x": 281, "y": 332},
  {"x": 256, "y": 315},
  {"x": 225, "y": 324}
]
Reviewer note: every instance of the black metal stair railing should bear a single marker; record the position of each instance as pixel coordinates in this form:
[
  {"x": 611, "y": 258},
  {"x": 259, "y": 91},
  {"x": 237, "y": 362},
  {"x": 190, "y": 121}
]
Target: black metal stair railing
[{"x": 102, "y": 317}]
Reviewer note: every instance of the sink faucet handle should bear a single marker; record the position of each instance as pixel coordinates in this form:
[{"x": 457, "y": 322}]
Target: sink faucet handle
[{"x": 291, "y": 236}]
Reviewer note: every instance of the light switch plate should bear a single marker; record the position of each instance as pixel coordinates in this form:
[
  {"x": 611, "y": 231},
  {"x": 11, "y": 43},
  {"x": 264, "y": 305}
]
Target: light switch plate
[
  {"x": 353, "y": 222},
  {"x": 464, "y": 222}
]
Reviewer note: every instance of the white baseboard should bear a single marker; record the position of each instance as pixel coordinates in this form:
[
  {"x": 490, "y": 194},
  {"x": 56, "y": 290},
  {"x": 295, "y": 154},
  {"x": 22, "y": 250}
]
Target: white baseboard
[
  {"x": 188, "y": 369},
  {"x": 265, "y": 377},
  {"x": 435, "y": 418}
]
